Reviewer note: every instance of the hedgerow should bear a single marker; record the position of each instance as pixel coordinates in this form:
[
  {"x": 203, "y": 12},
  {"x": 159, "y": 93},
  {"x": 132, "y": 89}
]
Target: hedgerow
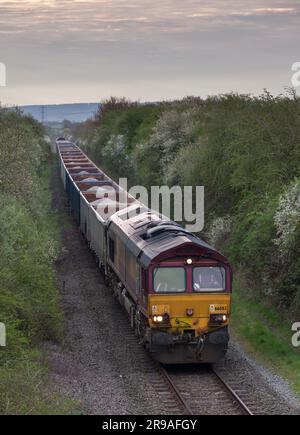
[{"x": 29, "y": 300}]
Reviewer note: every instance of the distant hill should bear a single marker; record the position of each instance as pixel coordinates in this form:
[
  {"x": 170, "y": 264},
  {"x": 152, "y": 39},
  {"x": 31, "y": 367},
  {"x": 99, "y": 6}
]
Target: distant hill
[{"x": 57, "y": 113}]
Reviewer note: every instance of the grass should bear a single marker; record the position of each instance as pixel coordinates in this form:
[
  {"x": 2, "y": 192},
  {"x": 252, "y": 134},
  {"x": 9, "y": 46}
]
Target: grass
[
  {"x": 266, "y": 334},
  {"x": 23, "y": 389}
]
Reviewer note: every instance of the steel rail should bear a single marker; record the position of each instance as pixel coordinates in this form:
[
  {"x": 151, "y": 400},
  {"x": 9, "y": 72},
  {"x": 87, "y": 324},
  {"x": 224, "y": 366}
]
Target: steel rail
[
  {"x": 175, "y": 390},
  {"x": 232, "y": 392}
]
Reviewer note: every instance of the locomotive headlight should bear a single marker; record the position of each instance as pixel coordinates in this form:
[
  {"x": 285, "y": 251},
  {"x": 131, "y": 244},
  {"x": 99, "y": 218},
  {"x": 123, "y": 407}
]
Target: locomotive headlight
[
  {"x": 158, "y": 319},
  {"x": 218, "y": 318},
  {"x": 165, "y": 318},
  {"x": 189, "y": 261}
]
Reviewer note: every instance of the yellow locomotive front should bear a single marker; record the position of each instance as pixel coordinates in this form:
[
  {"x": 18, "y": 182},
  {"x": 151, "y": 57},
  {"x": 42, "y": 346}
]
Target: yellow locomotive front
[
  {"x": 175, "y": 287},
  {"x": 189, "y": 308}
]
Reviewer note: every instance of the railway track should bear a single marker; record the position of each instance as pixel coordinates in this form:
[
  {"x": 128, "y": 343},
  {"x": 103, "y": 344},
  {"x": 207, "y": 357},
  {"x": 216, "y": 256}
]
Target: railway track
[
  {"x": 213, "y": 393},
  {"x": 184, "y": 390}
]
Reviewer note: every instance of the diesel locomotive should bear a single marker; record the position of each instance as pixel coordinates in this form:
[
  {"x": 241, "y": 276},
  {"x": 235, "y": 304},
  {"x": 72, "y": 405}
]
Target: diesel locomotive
[{"x": 175, "y": 288}]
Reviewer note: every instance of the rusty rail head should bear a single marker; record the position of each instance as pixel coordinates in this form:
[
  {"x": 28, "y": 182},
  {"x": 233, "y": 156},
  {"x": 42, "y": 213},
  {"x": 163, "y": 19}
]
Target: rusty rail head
[
  {"x": 232, "y": 392},
  {"x": 175, "y": 390}
]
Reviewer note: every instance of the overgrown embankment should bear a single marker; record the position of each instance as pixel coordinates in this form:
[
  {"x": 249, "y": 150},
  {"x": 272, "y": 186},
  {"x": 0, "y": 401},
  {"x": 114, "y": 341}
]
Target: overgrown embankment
[
  {"x": 246, "y": 152},
  {"x": 29, "y": 300}
]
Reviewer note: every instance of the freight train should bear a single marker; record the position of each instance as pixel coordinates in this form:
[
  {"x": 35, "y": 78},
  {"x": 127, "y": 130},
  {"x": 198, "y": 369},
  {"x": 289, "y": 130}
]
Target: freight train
[{"x": 175, "y": 288}]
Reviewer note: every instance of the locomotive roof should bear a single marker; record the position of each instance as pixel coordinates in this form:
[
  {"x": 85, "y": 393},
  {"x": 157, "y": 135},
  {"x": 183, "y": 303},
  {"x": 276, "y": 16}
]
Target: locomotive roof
[{"x": 149, "y": 235}]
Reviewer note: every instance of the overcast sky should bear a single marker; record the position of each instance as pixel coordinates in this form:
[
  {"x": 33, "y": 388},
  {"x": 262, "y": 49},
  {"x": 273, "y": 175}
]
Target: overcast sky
[{"x": 59, "y": 51}]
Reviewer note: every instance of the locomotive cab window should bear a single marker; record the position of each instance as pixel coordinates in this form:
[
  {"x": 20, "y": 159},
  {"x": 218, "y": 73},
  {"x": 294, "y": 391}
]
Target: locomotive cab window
[
  {"x": 169, "y": 280},
  {"x": 209, "y": 279}
]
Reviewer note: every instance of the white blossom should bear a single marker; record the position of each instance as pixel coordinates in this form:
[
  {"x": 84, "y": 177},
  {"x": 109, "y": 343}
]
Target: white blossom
[
  {"x": 287, "y": 218},
  {"x": 173, "y": 131},
  {"x": 219, "y": 229},
  {"x": 115, "y": 145}
]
